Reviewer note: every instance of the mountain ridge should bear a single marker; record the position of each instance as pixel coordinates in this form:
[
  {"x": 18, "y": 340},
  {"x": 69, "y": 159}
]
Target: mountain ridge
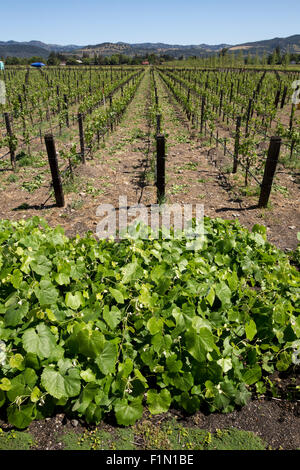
[{"x": 39, "y": 48}]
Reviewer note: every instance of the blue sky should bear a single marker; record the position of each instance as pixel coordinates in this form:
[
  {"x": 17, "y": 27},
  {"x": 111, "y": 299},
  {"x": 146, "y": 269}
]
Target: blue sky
[{"x": 169, "y": 21}]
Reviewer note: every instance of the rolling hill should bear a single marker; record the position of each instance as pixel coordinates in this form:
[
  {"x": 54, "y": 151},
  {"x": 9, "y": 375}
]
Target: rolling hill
[{"x": 38, "y": 48}]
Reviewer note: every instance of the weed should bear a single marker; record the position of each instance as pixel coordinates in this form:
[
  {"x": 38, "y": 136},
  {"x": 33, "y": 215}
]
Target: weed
[
  {"x": 34, "y": 184},
  {"x": 76, "y": 205},
  {"x": 178, "y": 188},
  {"x": 281, "y": 189},
  {"x": 12, "y": 178}
]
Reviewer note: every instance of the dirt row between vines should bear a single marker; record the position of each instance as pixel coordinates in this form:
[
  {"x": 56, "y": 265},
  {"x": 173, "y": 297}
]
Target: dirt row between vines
[{"x": 124, "y": 166}]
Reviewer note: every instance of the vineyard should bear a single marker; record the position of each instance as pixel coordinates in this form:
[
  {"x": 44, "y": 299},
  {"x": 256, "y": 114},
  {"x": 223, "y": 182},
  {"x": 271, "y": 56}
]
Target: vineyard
[{"x": 103, "y": 329}]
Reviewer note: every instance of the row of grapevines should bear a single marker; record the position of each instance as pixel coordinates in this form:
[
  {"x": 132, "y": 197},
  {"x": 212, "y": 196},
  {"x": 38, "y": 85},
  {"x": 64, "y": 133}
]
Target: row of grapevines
[{"x": 99, "y": 327}]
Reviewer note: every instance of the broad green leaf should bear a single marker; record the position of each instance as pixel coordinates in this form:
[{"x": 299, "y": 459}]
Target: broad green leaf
[
  {"x": 112, "y": 317},
  {"x": 88, "y": 375},
  {"x": 198, "y": 343},
  {"x": 35, "y": 395},
  {"x": 158, "y": 402},
  {"x": 21, "y": 417},
  {"x": 15, "y": 314},
  {"x": 87, "y": 342},
  {"x": 108, "y": 358},
  {"x": 252, "y": 375},
  {"x": 158, "y": 272},
  {"x": 41, "y": 265},
  {"x": 190, "y": 404},
  {"x": 211, "y": 296},
  {"x": 53, "y": 382},
  {"x": 117, "y": 295},
  {"x": 223, "y": 293},
  {"x": 16, "y": 361},
  {"x": 62, "y": 279},
  {"x": 46, "y": 293},
  {"x": 5, "y": 384},
  {"x": 130, "y": 272},
  {"x": 155, "y": 325},
  {"x": 127, "y": 413},
  {"x": 284, "y": 361},
  {"x": 22, "y": 384},
  {"x": 59, "y": 385},
  {"x": 72, "y": 383},
  {"x": 125, "y": 368},
  {"x": 225, "y": 364},
  {"x": 17, "y": 278},
  {"x": 40, "y": 341},
  {"x": 74, "y": 301},
  {"x": 251, "y": 330}
]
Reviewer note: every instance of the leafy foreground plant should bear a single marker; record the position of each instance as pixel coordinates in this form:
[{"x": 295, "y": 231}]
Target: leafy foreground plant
[{"x": 99, "y": 327}]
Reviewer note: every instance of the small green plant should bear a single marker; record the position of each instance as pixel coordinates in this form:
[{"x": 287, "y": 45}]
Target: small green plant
[
  {"x": 78, "y": 204},
  {"x": 189, "y": 166},
  {"x": 90, "y": 189},
  {"x": 12, "y": 178},
  {"x": 34, "y": 184},
  {"x": 280, "y": 189},
  {"x": 178, "y": 188}
]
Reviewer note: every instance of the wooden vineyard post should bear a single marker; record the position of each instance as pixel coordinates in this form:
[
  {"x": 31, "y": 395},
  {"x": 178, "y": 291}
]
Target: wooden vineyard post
[
  {"x": 111, "y": 121},
  {"x": 248, "y": 116},
  {"x": 158, "y": 123},
  {"x": 231, "y": 92},
  {"x": 270, "y": 168},
  {"x": 202, "y": 114},
  {"x": 236, "y": 143},
  {"x": 221, "y": 101},
  {"x": 81, "y": 137},
  {"x": 156, "y": 96},
  {"x": 277, "y": 98},
  {"x": 11, "y": 144},
  {"x": 160, "y": 167},
  {"x": 53, "y": 163},
  {"x": 292, "y": 149},
  {"x": 66, "y": 110},
  {"x": 283, "y": 97},
  {"x": 292, "y": 116}
]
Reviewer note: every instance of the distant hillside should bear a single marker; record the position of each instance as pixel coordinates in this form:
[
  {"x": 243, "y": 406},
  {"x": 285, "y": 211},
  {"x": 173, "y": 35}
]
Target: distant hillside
[
  {"x": 107, "y": 49},
  {"x": 38, "y": 48},
  {"x": 22, "y": 50},
  {"x": 32, "y": 48},
  {"x": 291, "y": 44}
]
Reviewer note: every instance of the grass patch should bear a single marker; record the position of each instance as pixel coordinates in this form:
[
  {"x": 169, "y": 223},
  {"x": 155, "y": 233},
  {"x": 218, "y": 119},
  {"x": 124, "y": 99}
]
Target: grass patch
[
  {"x": 97, "y": 439},
  {"x": 34, "y": 161},
  {"x": 189, "y": 166},
  {"x": 280, "y": 189},
  {"x": 72, "y": 185},
  {"x": 34, "y": 184},
  {"x": 12, "y": 178},
  {"x": 15, "y": 440},
  {"x": 250, "y": 191}
]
